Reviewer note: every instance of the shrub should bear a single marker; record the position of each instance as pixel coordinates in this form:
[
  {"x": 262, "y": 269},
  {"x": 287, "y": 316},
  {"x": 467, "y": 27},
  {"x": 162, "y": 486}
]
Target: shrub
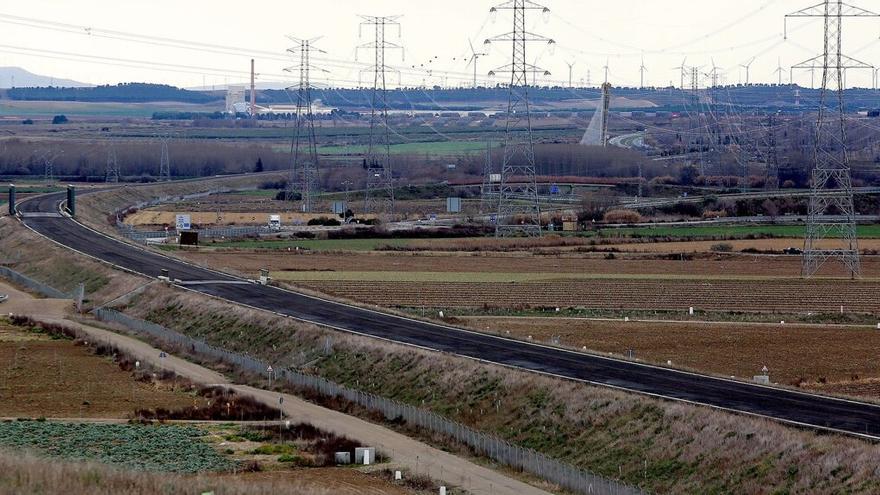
[
  {"x": 622, "y": 216},
  {"x": 722, "y": 247}
]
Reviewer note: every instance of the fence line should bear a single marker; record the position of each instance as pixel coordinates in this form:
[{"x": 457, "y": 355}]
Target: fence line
[
  {"x": 141, "y": 236},
  {"x": 32, "y": 284},
  {"x": 565, "y": 475}
]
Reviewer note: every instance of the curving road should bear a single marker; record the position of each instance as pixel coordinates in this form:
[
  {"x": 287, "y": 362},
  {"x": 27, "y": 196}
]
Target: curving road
[{"x": 789, "y": 406}]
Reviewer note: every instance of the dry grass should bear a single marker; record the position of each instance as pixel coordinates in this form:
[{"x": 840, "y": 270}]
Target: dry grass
[
  {"x": 57, "y": 267},
  {"x": 29, "y": 474},
  {"x": 94, "y": 209},
  {"x": 688, "y": 449}
]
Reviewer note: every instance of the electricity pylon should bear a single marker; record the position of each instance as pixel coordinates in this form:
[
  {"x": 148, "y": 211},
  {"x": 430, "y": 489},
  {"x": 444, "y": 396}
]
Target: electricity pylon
[
  {"x": 518, "y": 209},
  {"x": 165, "y": 158},
  {"x": 379, "y": 191},
  {"x": 48, "y": 157},
  {"x": 489, "y": 189},
  {"x": 772, "y": 179},
  {"x": 831, "y": 225},
  {"x": 304, "y": 163},
  {"x": 112, "y": 171}
]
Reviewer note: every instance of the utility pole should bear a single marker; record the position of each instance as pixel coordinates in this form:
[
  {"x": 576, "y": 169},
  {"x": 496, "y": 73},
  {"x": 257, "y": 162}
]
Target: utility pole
[
  {"x": 519, "y": 211},
  {"x": 253, "y": 90},
  {"x": 379, "y": 192},
  {"x": 304, "y": 166},
  {"x": 832, "y": 216},
  {"x": 112, "y": 171}
]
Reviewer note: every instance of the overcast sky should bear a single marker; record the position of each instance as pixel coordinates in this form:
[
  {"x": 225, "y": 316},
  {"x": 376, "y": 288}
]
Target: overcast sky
[{"x": 434, "y": 33}]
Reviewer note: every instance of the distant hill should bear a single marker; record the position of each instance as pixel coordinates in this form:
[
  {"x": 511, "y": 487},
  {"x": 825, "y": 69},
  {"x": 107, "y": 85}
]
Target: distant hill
[
  {"x": 118, "y": 93},
  {"x": 16, "y": 77}
]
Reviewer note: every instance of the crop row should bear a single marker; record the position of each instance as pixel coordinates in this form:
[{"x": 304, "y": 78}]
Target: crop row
[{"x": 141, "y": 447}]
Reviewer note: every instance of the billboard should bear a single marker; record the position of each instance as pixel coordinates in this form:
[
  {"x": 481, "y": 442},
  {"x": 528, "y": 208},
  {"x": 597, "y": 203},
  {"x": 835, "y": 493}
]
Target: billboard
[{"x": 183, "y": 222}]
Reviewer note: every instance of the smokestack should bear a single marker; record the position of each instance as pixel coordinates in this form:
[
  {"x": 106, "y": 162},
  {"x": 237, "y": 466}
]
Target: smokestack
[{"x": 253, "y": 92}]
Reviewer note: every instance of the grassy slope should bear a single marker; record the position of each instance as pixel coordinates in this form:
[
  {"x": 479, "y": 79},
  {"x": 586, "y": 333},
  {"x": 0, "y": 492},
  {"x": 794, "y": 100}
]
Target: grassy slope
[{"x": 687, "y": 449}]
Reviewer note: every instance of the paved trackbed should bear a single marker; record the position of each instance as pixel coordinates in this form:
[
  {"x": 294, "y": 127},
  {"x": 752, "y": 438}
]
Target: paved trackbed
[{"x": 783, "y": 405}]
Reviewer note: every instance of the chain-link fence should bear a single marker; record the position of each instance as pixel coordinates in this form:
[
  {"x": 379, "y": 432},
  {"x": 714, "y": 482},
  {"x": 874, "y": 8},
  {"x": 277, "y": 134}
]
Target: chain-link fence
[
  {"x": 38, "y": 287},
  {"x": 498, "y": 449}
]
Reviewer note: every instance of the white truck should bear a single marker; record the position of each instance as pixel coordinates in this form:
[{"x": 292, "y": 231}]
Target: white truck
[{"x": 275, "y": 222}]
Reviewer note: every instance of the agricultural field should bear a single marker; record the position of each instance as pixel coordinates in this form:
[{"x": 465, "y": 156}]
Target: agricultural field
[
  {"x": 44, "y": 376},
  {"x": 726, "y": 231},
  {"x": 816, "y": 357},
  {"x": 171, "y": 448}
]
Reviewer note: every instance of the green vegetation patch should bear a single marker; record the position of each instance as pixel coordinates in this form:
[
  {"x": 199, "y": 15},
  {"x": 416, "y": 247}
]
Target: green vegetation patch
[{"x": 176, "y": 449}]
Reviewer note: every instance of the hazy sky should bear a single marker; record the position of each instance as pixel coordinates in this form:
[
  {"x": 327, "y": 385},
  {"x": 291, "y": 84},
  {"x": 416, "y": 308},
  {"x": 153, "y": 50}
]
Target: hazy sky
[{"x": 435, "y": 34}]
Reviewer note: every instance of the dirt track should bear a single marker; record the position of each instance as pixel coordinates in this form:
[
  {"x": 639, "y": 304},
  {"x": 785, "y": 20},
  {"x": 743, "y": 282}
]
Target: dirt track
[{"x": 404, "y": 451}]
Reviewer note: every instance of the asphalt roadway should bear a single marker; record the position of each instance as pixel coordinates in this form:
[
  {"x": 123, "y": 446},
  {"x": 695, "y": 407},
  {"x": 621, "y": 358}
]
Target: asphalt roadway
[{"x": 783, "y": 405}]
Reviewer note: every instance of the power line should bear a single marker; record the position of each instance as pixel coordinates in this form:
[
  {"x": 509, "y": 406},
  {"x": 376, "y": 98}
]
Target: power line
[
  {"x": 304, "y": 166},
  {"x": 831, "y": 216},
  {"x": 518, "y": 209},
  {"x": 379, "y": 190}
]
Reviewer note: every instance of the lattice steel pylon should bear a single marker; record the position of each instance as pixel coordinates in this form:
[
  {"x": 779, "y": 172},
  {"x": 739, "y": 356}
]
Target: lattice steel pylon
[
  {"x": 831, "y": 225},
  {"x": 111, "y": 173},
  {"x": 519, "y": 211},
  {"x": 48, "y": 157},
  {"x": 771, "y": 180},
  {"x": 165, "y": 159},
  {"x": 303, "y": 177},
  {"x": 489, "y": 192},
  {"x": 379, "y": 190}
]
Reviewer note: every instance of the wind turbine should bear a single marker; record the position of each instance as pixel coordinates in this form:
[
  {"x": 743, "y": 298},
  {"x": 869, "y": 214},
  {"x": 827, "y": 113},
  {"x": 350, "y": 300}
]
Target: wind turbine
[
  {"x": 713, "y": 74},
  {"x": 606, "y": 70},
  {"x": 642, "y": 71},
  {"x": 747, "y": 66},
  {"x": 475, "y": 57},
  {"x": 779, "y": 71},
  {"x": 570, "y": 68},
  {"x": 682, "y": 70}
]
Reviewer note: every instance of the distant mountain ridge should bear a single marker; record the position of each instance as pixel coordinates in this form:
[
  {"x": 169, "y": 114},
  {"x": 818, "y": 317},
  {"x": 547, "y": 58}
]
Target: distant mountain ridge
[{"x": 16, "y": 77}]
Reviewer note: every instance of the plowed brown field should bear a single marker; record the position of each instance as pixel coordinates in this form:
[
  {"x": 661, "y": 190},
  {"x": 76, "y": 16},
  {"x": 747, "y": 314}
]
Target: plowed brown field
[{"x": 844, "y": 357}]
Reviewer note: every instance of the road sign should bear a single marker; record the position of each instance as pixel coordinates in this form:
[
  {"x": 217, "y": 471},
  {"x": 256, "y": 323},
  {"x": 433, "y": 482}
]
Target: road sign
[
  {"x": 339, "y": 207},
  {"x": 453, "y": 205},
  {"x": 183, "y": 222},
  {"x": 495, "y": 178}
]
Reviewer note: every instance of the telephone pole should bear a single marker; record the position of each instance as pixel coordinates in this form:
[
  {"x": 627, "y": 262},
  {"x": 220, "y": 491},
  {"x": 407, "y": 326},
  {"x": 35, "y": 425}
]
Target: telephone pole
[
  {"x": 518, "y": 209},
  {"x": 379, "y": 191},
  {"x": 304, "y": 165},
  {"x": 831, "y": 225}
]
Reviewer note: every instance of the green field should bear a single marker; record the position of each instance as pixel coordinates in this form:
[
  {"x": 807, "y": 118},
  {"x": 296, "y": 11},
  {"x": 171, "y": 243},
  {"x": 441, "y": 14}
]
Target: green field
[
  {"x": 714, "y": 232},
  {"x": 175, "y": 449}
]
